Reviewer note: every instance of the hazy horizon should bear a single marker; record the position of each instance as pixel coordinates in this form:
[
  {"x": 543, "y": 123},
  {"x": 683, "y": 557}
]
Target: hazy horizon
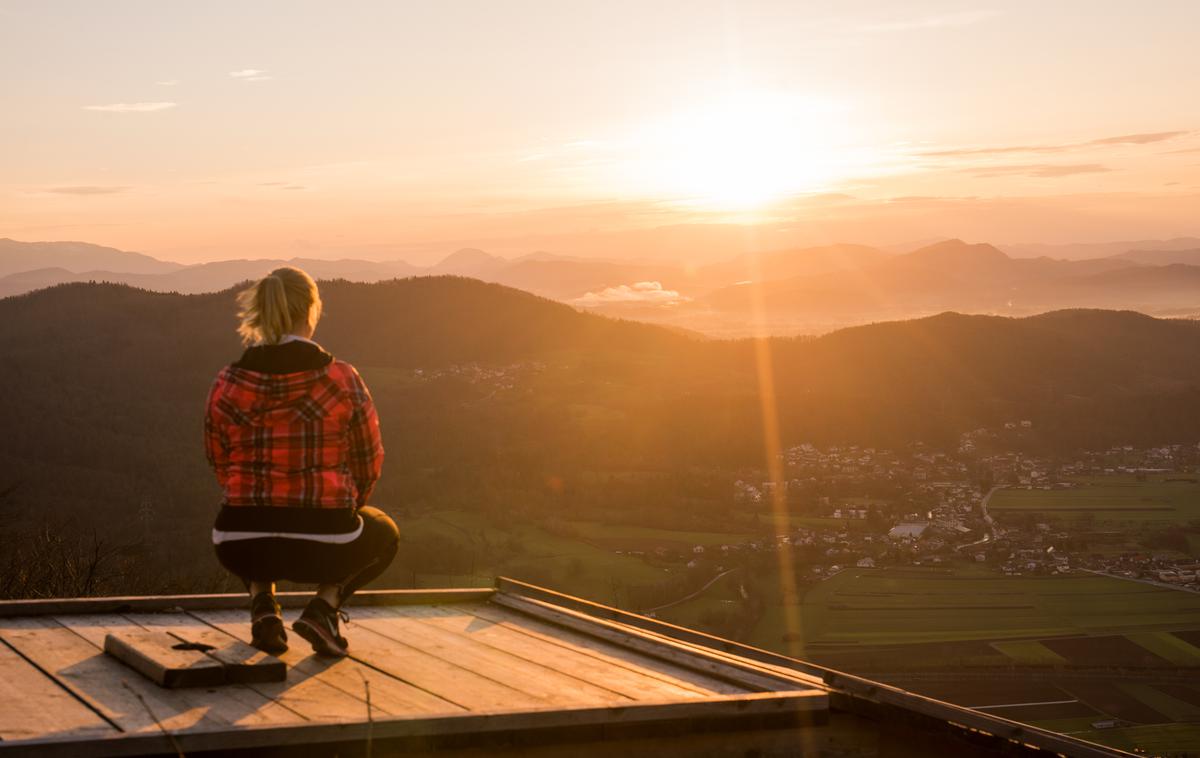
[{"x": 595, "y": 129}]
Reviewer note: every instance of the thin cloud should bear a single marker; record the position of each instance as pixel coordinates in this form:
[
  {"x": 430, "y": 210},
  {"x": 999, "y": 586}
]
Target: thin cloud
[
  {"x": 130, "y": 107},
  {"x": 1124, "y": 139},
  {"x": 645, "y": 293},
  {"x": 1137, "y": 139},
  {"x": 1040, "y": 170},
  {"x": 86, "y": 190},
  {"x": 250, "y": 75},
  {"x": 168, "y": 82},
  {"x": 942, "y": 21}
]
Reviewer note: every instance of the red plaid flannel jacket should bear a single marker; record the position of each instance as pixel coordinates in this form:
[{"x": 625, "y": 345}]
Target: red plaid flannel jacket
[{"x": 308, "y": 439}]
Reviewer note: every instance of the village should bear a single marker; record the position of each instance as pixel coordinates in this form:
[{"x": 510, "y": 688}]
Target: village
[{"x": 863, "y": 507}]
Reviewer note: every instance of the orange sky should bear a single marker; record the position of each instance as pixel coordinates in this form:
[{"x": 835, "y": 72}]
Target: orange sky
[{"x": 197, "y": 131}]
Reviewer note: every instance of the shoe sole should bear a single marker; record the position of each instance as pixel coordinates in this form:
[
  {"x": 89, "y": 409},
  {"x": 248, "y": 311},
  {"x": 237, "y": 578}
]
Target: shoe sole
[
  {"x": 321, "y": 644},
  {"x": 268, "y": 635}
]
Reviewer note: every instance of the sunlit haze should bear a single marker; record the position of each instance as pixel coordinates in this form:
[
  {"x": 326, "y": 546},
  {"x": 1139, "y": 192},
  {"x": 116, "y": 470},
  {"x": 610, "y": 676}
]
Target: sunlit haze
[{"x": 400, "y": 130}]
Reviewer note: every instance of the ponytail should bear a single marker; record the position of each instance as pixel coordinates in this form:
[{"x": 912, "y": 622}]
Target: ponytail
[{"x": 275, "y": 305}]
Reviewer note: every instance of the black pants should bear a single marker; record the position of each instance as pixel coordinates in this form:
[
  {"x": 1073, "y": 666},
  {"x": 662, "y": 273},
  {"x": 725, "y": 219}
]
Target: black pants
[{"x": 349, "y": 565}]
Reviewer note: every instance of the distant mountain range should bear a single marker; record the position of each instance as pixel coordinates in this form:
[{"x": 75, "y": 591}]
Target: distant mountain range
[
  {"x": 954, "y": 275},
  {"x": 811, "y": 290}
]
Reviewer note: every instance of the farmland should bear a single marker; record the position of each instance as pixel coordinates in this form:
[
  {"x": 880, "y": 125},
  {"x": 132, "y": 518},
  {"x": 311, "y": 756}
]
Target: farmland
[
  {"x": 1110, "y": 502},
  {"x": 870, "y": 607}
]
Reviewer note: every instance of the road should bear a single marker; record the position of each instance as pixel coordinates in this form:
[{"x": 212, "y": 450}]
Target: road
[
  {"x": 1151, "y": 582},
  {"x": 697, "y": 593},
  {"x": 987, "y": 517}
]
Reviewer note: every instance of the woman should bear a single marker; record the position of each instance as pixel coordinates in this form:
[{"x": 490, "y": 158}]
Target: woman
[{"x": 292, "y": 435}]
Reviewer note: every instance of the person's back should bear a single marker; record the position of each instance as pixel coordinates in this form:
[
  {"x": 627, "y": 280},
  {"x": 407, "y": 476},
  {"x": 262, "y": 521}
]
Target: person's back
[{"x": 293, "y": 438}]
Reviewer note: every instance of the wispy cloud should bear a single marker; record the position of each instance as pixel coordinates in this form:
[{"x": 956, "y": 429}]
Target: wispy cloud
[
  {"x": 646, "y": 293},
  {"x": 250, "y": 75},
  {"x": 168, "y": 82},
  {"x": 940, "y": 21},
  {"x": 86, "y": 190},
  {"x": 1137, "y": 139},
  {"x": 1123, "y": 139},
  {"x": 1039, "y": 170},
  {"x": 130, "y": 107},
  {"x": 283, "y": 185}
]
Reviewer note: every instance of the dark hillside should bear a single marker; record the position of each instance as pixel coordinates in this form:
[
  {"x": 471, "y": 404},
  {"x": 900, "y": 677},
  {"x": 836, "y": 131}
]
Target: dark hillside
[{"x": 498, "y": 401}]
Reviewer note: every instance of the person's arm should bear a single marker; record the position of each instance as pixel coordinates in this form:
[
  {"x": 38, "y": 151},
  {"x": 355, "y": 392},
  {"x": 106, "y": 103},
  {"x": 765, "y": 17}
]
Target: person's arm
[
  {"x": 366, "y": 444},
  {"x": 216, "y": 446}
]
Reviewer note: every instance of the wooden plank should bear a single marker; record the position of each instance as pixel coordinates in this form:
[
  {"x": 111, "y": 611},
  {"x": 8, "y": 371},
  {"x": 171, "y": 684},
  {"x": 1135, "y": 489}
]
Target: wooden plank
[
  {"x": 548, "y": 685},
  {"x": 34, "y": 705},
  {"x": 517, "y": 588},
  {"x": 157, "y": 603},
  {"x": 243, "y": 664},
  {"x": 389, "y": 696},
  {"x": 659, "y": 647},
  {"x": 311, "y": 698},
  {"x": 495, "y": 732},
  {"x": 248, "y": 665},
  {"x": 448, "y": 680},
  {"x": 631, "y": 682},
  {"x": 605, "y": 651},
  {"x": 158, "y": 657},
  {"x": 127, "y": 699}
]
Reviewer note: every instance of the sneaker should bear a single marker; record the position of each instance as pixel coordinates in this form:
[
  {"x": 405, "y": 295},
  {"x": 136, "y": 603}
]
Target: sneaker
[
  {"x": 319, "y": 625},
  {"x": 266, "y": 624}
]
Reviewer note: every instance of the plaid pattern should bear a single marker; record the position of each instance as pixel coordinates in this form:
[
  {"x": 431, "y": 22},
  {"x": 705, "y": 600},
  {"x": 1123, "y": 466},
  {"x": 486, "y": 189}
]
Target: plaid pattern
[{"x": 308, "y": 439}]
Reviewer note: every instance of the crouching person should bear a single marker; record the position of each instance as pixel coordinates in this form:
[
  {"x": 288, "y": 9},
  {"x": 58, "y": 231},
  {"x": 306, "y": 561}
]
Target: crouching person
[{"x": 293, "y": 438}]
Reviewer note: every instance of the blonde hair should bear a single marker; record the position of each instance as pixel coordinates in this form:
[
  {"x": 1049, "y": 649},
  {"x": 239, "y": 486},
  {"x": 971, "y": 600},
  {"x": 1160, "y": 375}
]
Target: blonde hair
[{"x": 276, "y": 304}]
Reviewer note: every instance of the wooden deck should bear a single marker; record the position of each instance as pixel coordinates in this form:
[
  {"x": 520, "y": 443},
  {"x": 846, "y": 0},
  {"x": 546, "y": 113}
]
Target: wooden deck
[
  {"x": 451, "y": 663},
  {"x": 517, "y": 670}
]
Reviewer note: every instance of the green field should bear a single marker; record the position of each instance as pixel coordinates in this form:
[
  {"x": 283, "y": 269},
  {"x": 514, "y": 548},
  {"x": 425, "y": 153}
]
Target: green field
[
  {"x": 1112, "y": 502},
  {"x": 872, "y": 607},
  {"x": 1156, "y": 739},
  {"x": 1029, "y": 653},
  {"x": 528, "y": 552},
  {"x": 634, "y": 535}
]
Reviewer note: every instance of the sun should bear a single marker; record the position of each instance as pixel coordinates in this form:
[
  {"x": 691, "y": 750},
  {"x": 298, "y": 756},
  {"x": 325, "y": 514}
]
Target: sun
[{"x": 744, "y": 151}]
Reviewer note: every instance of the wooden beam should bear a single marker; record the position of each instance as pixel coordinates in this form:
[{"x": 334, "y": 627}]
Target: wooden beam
[
  {"x": 158, "y": 603},
  {"x": 724, "y": 667},
  {"x": 164, "y": 659}
]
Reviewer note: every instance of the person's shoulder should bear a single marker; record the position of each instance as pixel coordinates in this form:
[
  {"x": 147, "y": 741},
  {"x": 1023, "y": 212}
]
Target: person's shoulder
[{"x": 344, "y": 373}]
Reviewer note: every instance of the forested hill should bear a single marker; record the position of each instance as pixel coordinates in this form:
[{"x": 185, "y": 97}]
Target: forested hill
[{"x": 487, "y": 394}]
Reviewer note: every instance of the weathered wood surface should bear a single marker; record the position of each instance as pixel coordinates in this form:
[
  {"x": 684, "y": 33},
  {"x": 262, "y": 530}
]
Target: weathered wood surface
[
  {"x": 502, "y": 732},
  {"x": 309, "y": 698},
  {"x": 447, "y": 679},
  {"x": 156, "y": 656},
  {"x": 547, "y": 685},
  {"x": 123, "y": 697},
  {"x": 159, "y": 603},
  {"x": 493, "y": 628},
  {"x": 32, "y": 704},
  {"x": 466, "y": 670},
  {"x": 389, "y": 695},
  {"x": 605, "y": 651}
]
